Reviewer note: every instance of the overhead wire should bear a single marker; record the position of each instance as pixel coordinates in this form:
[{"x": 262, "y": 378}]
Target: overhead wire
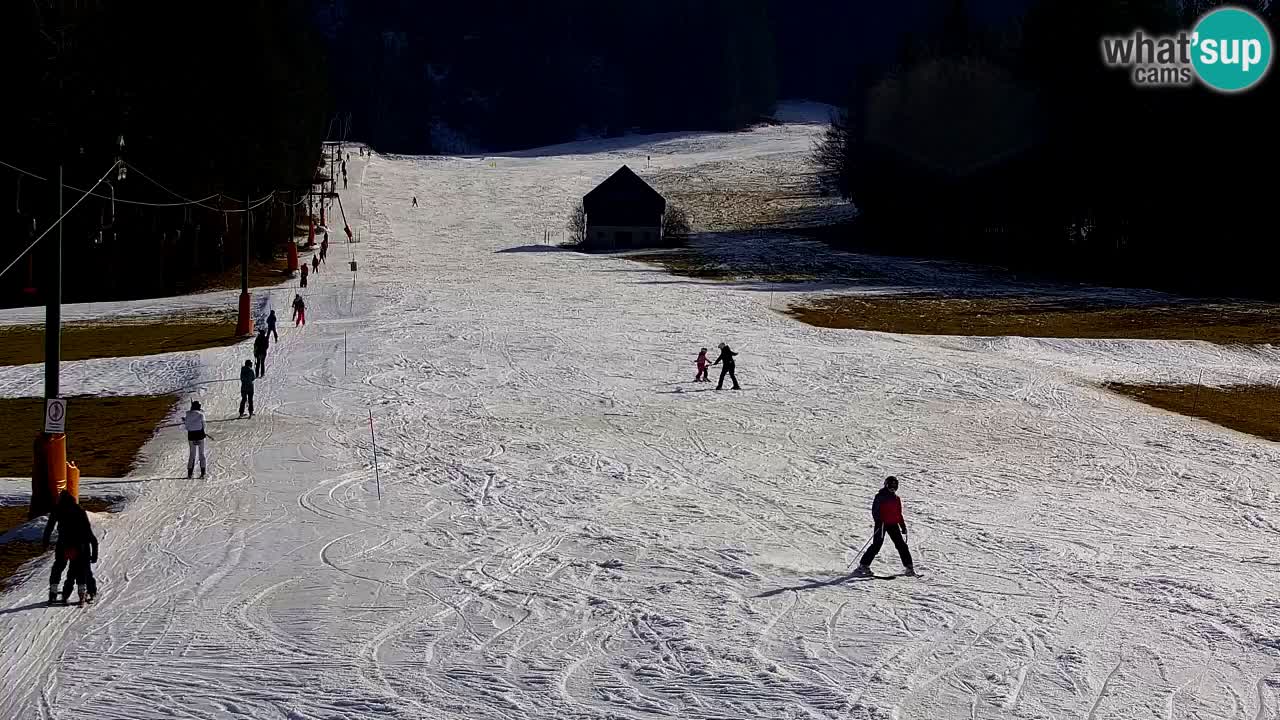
[
  {"x": 57, "y": 222},
  {"x": 186, "y": 201}
]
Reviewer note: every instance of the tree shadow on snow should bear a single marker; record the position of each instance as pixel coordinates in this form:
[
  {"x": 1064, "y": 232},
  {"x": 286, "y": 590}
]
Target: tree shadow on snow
[
  {"x": 128, "y": 481},
  {"x": 808, "y": 586},
  {"x": 31, "y": 606},
  {"x": 533, "y": 249}
]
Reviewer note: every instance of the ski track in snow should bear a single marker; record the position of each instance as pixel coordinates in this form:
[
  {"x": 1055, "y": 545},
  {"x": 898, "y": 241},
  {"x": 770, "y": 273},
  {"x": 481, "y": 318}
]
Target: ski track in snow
[{"x": 561, "y": 536}]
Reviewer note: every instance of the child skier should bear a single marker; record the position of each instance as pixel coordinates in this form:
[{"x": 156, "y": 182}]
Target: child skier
[
  {"x": 271, "y": 326},
  {"x": 260, "y": 345},
  {"x": 726, "y": 356},
  {"x": 702, "y": 363},
  {"x": 299, "y": 311},
  {"x": 886, "y": 511},
  {"x": 77, "y": 546},
  {"x": 247, "y": 377}
]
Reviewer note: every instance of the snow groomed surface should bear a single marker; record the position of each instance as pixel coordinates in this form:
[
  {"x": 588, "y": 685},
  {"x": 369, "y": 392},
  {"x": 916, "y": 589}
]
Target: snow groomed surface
[{"x": 562, "y": 534}]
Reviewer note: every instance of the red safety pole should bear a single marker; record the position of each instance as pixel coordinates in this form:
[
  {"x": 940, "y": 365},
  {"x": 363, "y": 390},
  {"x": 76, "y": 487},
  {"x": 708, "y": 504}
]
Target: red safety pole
[{"x": 291, "y": 245}]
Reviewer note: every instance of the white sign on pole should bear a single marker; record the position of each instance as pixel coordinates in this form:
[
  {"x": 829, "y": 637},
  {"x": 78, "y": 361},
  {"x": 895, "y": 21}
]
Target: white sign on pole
[{"x": 55, "y": 416}]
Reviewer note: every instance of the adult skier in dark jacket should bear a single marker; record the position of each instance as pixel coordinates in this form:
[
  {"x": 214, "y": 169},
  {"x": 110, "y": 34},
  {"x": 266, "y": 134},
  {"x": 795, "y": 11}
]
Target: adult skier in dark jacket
[
  {"x": 886, "y": 511},
  {"x": 246, "y": 387},
  {"x": 727, "y": 365},
  {"x": 77, "y": 545},
  {"x": 260, "y": 345},
  {"x": 271, "y": 326}
]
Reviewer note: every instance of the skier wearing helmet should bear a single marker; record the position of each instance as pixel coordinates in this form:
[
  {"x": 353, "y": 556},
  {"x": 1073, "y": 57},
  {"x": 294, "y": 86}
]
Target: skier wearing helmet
[{"x": 886, "y": 511}]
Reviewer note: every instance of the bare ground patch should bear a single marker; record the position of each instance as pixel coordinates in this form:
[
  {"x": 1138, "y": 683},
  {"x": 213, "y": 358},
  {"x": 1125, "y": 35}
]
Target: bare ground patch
[
  {"x": 261, "y": 274},
  {"x": 1253, "y": 409},
  {"x": 104, "y": 434},
  {"x": 760, "y": 257},
  {"x": 125, "y": 337},
  {"x": 1222, "y": 323}
]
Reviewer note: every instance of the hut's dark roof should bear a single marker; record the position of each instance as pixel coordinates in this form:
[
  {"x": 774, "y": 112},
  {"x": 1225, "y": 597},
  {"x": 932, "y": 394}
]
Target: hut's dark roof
[{"x": 623, "y": 193}]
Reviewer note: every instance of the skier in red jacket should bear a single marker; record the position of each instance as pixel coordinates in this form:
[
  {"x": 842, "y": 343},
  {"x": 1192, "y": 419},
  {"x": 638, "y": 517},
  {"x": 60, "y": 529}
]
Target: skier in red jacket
[
  {"x": 702, "y": 363},
  {"x": 886, "y": 511}
]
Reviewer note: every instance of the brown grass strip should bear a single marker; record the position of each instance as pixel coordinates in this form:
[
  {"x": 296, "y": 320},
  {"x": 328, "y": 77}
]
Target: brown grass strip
[
  {"x": 104, "y": 434},
  {"x": 1253, "y": 409},
  {"x": 126, "y": 337},
  {"x": 1243, "y": 323}
]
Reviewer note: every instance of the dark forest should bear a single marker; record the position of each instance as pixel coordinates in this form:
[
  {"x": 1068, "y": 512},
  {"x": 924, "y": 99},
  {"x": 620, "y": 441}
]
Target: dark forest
[{"x": 1007, "y": 141}]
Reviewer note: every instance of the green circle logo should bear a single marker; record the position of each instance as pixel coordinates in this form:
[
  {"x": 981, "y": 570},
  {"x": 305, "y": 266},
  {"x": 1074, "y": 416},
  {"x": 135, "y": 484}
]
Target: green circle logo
[{"x": 1231, "y": 49}]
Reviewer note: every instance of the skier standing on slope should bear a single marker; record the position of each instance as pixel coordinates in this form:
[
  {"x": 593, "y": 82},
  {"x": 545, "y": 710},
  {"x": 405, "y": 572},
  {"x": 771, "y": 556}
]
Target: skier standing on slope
[
  {"x": 315, "y": 264},
  {"x": 726, "y": 357},
  {"x": 193, "y": 421},
  {"x": 886, "y": 511},
  {"x": 303, "y": 281},
  {"x": 271, "y": 326},
  {"x": 246, "y": 387},
  {"x": 299, "y": 311},
  {"x": 702, "y": 363},
  {"x": 77, "y": 545},
  {"x": 260, "y": 345}
]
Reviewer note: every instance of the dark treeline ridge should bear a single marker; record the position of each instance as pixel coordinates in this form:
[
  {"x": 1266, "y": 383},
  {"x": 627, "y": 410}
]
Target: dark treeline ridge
[
  {"x": 1015, "y": 145},
  {"x": 228, "y": 97},
  {"x": 499, "y": 75}
]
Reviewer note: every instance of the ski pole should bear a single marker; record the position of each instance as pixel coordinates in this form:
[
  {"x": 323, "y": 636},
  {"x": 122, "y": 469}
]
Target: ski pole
[{"x": 863, "y": 549}]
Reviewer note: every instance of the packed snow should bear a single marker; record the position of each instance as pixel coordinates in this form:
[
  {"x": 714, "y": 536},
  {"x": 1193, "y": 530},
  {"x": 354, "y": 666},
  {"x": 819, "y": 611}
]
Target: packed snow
[{"x": 562, "y": 525}]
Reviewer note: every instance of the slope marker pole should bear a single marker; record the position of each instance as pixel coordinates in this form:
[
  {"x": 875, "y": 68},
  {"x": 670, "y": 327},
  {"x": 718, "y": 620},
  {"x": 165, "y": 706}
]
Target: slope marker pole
[{"x": 376, "y": 476}]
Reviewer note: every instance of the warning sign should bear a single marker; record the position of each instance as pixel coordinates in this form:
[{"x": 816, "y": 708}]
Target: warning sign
[{"x": 55, "y": 416}]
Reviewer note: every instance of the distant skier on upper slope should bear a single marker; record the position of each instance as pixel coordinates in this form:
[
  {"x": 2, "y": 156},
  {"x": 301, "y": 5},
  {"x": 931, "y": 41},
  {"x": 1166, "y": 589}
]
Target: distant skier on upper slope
[{"x": 886, "y": 511}]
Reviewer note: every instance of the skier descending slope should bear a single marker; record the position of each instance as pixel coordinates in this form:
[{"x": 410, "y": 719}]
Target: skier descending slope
[{"x": 886, "y": 511}]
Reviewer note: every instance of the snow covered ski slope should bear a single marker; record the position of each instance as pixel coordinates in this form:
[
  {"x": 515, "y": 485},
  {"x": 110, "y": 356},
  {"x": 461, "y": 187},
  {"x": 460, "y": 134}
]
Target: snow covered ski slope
[{"x": 562, "y": 535}]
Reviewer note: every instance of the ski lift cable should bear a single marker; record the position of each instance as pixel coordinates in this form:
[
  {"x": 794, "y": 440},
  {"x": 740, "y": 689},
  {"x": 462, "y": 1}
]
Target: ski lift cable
[
  {"x": 176, "y": 194},
  {"x": 107, "y": 197},
  {"x": 58, "y": 222},
  {"x": 253, "y": 204}
]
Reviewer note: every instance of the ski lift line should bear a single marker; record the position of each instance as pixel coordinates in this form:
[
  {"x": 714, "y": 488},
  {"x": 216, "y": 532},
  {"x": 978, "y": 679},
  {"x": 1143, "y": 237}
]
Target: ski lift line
[
  {"x": 58, "y": 222},
  {"x": 201, "y": 203},
  {"x": 123, "y": 201},
  {"x": 24, "y": 172},
  {"x": 174, "y": 193},
  {"x": 253, "y": 204}
]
